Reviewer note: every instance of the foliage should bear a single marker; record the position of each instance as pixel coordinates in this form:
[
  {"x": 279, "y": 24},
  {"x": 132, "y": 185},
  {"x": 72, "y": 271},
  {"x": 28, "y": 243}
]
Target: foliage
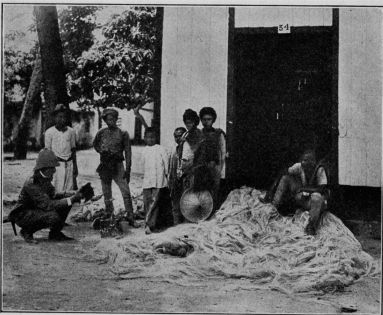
[
  {"x": 76, "y": 24},
  {"x": 18, "y": 67},
  {"x": 76, "y": 30},
  {"x": 119, "y": 70}
]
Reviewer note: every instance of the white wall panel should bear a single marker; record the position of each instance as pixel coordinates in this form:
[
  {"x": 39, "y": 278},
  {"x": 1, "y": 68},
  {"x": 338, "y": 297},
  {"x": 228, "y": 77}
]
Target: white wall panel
[
  {"x": 194, "y": 65},
  {"x": 360, "y": 96}
]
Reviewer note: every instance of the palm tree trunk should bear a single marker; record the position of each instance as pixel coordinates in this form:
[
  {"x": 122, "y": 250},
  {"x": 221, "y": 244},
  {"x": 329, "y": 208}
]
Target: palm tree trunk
[{"x": 51, "y": 60}]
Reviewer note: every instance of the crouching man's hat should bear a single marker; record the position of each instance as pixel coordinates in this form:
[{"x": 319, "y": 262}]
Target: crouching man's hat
[
  {"x": 109, "y": 111},
  {"x": 46, "y": 159}
]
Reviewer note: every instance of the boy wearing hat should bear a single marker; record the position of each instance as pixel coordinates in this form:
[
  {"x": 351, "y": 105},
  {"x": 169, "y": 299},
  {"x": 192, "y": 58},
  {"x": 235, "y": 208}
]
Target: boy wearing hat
[
  {"x": 61, "y": 139},
  {"x": 112, "y": 144},
  {"x": 39, "y": 205}
]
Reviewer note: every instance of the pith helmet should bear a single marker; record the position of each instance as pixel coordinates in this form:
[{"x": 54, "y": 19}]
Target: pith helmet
[
  {"x": 46, "y": 158},
  {"x": 109, "y": 111},
  {"x": 196, "y": 206}
]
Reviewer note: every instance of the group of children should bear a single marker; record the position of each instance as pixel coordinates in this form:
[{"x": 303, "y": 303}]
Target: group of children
[{"x": 166, "y": 174}]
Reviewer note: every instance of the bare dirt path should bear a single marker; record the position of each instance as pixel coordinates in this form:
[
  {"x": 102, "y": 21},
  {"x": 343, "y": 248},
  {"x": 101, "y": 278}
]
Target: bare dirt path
[{"x": 61, "y": 276}]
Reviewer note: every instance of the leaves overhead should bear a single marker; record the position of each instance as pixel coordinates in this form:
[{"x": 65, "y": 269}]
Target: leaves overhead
[
  {"x": 119, "y": 70},
  {"x": 18, "y": 67},
  {"x": 76, "y": 24}
]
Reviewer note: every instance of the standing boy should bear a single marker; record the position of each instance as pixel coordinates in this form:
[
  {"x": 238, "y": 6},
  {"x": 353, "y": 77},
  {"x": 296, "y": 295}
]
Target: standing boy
[
  {"x": 112, "y": 143},
  {"x": 155, "y": 182},
  {"x": 61, "y": 139},
  {"x": 175, "y": 184},
  {"x": 215, "y": 139}
]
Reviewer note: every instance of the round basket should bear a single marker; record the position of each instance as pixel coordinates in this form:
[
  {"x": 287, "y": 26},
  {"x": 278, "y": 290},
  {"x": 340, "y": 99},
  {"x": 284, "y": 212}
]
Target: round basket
[{"x": 196, "y": 206}]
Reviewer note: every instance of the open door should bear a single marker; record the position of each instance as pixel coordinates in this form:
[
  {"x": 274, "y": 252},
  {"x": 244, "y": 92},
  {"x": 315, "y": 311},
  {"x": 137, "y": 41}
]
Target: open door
[{"x": 282, "y": 102}]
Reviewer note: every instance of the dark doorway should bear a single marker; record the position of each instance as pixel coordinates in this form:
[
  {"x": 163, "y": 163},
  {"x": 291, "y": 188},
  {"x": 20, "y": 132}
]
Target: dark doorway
[{"x": 282, "y": 101}]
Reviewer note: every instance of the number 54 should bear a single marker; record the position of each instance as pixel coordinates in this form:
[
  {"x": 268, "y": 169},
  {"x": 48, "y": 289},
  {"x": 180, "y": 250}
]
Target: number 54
[{"x": 283, "y": 27}]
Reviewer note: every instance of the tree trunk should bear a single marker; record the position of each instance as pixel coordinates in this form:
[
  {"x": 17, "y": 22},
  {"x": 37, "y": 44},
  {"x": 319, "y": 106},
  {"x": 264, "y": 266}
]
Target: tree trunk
[
  {"x": 157, "y": 72},
  {"x": 22, "y": 131},
  {"x": 51, "y": 60},
  {"x": 99, "y": 117}
]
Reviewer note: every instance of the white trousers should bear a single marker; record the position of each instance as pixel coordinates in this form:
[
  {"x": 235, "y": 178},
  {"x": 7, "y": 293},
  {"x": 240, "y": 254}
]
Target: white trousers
[{"x": 63, "y": 178}]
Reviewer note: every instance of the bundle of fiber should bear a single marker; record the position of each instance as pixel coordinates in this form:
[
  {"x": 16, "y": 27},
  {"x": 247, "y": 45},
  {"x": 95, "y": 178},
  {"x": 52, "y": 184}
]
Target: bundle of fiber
[
  {"x": 88, "y": 211},
  {"x": 247, "y": 240}
]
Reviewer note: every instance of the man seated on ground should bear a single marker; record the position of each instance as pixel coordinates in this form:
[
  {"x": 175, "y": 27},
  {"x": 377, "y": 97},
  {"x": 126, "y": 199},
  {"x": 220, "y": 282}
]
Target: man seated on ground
[
  {"x": 39, "y": 206},
  {"x": 305, "y": 186}
]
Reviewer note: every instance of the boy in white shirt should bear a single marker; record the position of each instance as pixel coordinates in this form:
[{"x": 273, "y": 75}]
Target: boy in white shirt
[
  {"x": 61, "y": 139},
  {"x": 155, "y": 183}
]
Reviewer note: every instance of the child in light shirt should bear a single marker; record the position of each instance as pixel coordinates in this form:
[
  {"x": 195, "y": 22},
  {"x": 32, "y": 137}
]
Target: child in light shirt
[{"x": 155, "y": 192}]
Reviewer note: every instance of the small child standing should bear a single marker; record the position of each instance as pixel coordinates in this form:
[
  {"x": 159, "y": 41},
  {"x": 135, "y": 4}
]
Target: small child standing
[{"x": 155, "y": 183}]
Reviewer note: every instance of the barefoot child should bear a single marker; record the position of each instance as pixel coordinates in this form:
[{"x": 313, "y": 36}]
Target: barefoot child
[{"x": 155, "y": 183}]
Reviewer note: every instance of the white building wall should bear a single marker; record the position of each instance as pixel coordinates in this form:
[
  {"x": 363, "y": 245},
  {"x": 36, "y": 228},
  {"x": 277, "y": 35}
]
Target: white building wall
[
  {"x": 194, "y": 65},
  {"x": 274, "y": 16},
  {"x": 360, "y": 96}
]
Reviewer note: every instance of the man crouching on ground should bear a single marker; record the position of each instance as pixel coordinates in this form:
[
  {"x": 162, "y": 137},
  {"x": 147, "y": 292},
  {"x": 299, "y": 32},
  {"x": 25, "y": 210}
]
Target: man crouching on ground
[
  {"x": 39, "y": 206},
  {"x": 111, "y": 143}
]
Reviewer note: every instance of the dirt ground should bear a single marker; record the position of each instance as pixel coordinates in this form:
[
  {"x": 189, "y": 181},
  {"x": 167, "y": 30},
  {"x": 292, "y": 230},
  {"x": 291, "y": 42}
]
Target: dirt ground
[{"x": 61, "y": 276}]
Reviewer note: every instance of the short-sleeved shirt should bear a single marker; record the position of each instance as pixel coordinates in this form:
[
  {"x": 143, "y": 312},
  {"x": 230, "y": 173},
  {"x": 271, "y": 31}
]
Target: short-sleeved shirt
[
  {"x": 60, "y": 142},
  {"x": 156, "y": 163},
  {"x": 320, "y": 176},
  {"x": 112, "y": 140}
]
